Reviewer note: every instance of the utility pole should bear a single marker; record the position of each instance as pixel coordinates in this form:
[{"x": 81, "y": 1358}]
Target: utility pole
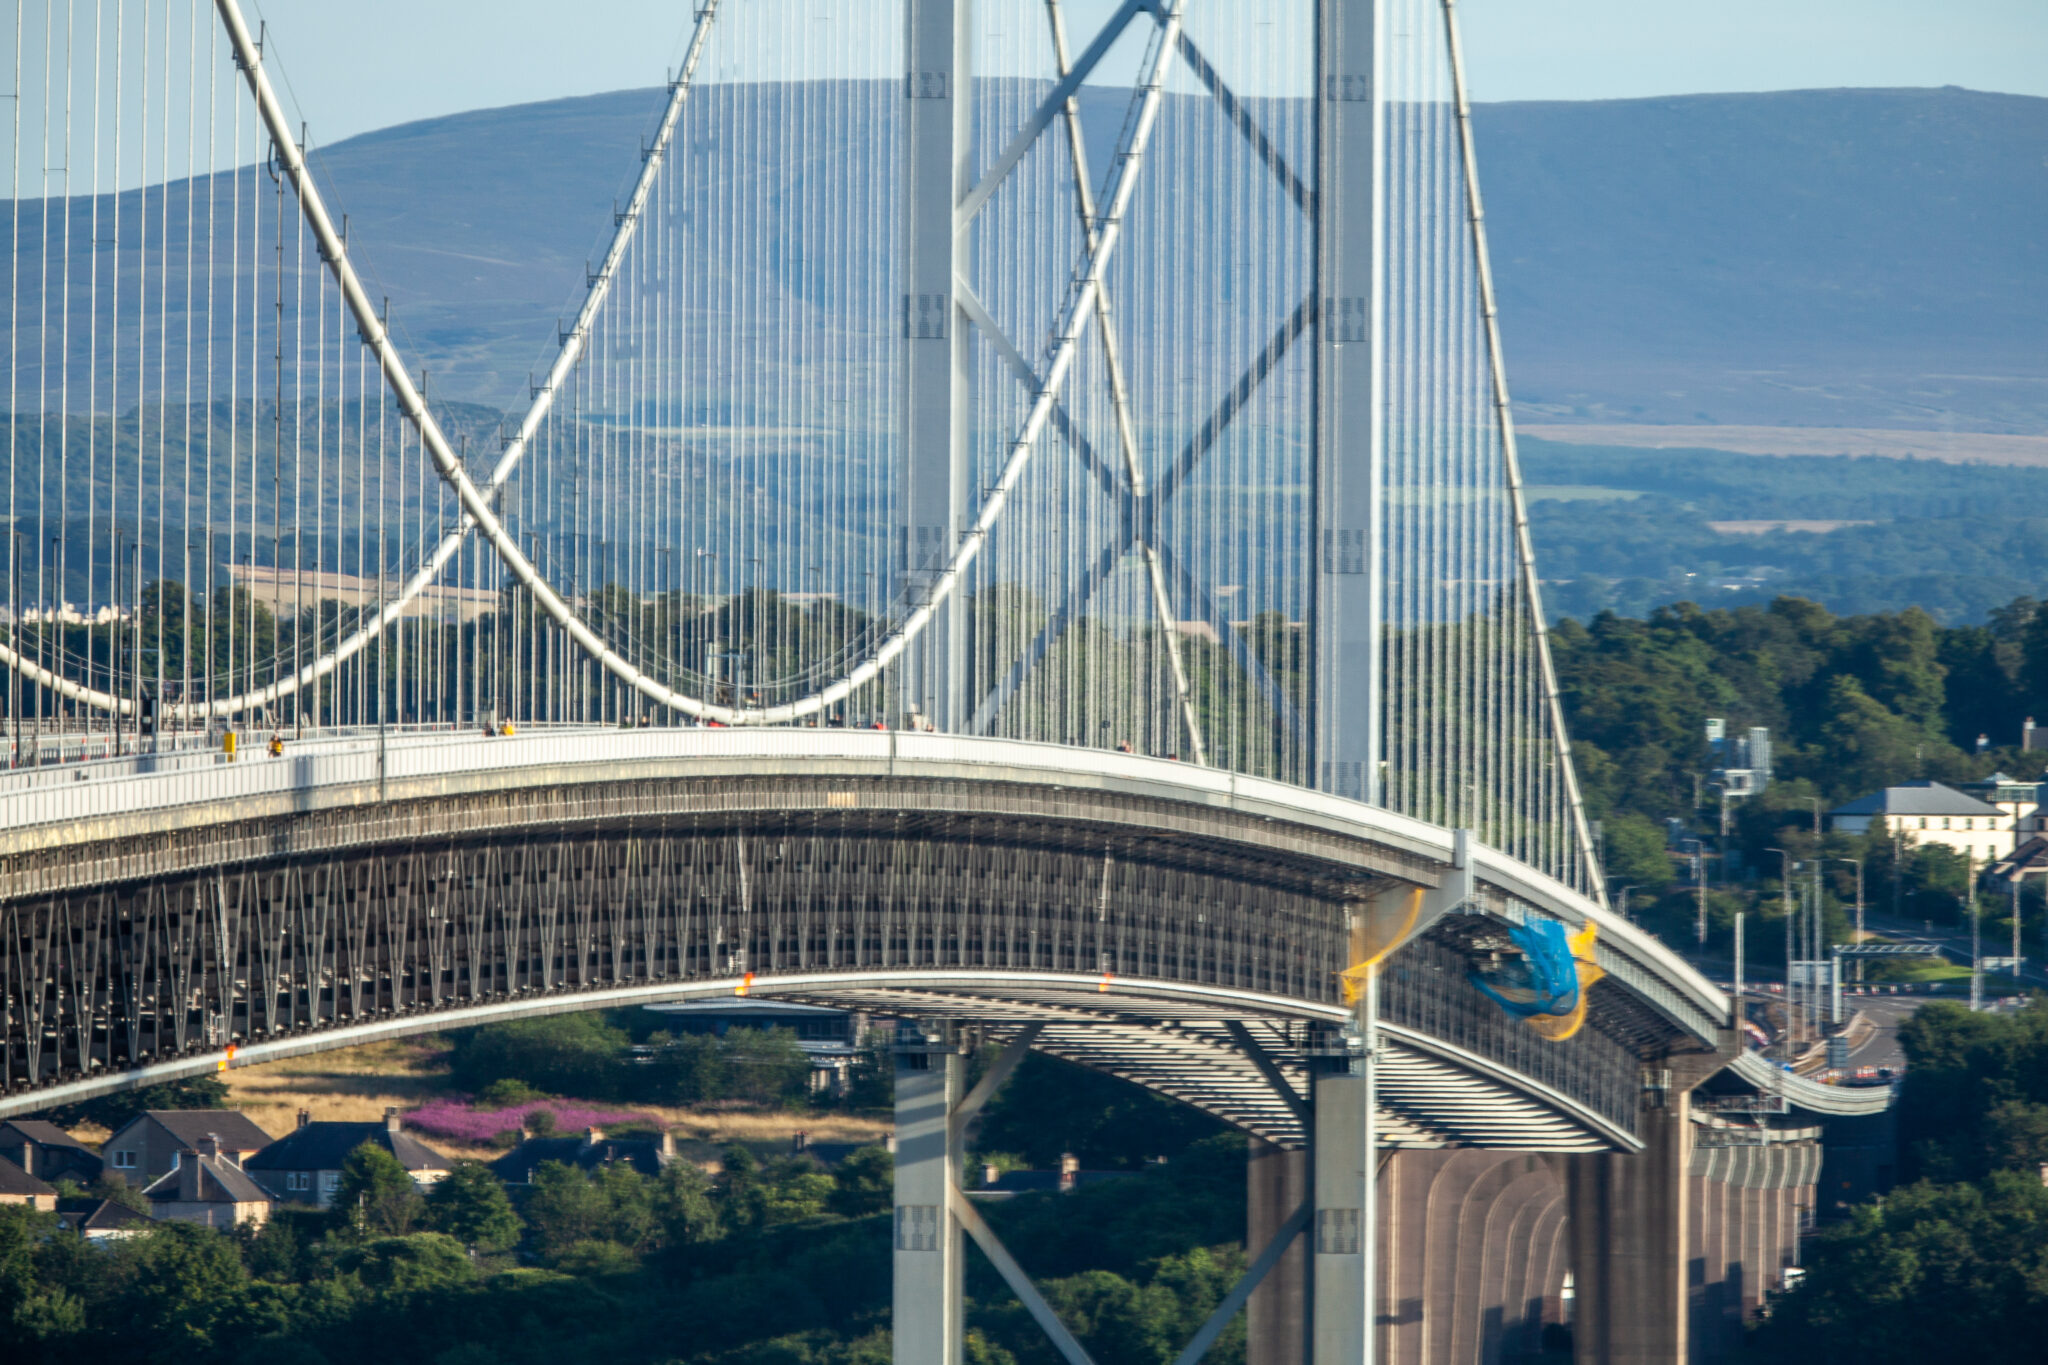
[
  {"x": 1740, "y": 1015},
  {"x": 1785, "y": 901},
  {"x": 1976, "y": 936}
]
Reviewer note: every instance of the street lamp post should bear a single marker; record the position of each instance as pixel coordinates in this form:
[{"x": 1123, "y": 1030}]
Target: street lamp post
[
  {"x": 1857, "y": 863},
  {"x": 1699, "y": 877}
]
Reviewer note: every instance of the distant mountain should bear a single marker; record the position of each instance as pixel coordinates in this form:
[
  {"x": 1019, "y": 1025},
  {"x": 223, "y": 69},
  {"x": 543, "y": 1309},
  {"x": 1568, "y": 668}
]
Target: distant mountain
[
  {"x": 1819, "y": 257},
  {"x": 1822, "y": 257}
]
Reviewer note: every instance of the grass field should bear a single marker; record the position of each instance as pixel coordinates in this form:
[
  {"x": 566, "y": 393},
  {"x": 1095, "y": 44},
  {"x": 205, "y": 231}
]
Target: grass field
[
  {"x": 1953, "y": 447},
  {"x": 358, "y": 1084}
]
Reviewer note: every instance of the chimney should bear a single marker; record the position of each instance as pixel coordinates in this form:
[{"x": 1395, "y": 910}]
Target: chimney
[
  {"x": 305, "y": 1117},
  {"x": 889, "y": 1142},
  {"x": 668, "y": 1143},
  {"x": 989, "y": 1175},
  {"x": 799, "y": 1140},
  {"x": 1070, "y": 1171},
  {"x": 210, "y": 1145},
  {"x": 593, "y": 1136},
  {"x": 390, "y": 1120}
]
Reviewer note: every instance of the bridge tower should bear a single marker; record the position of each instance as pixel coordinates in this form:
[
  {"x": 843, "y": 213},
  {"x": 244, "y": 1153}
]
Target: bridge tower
[
  {"x": 1346, "y": 707},
  {"x": 934, "y": 475}
]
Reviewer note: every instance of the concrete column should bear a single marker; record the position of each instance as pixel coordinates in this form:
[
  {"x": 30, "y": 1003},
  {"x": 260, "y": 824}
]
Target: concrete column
[
  {"x": 1343, "y": 1163},
  {"x": 1629, "y": 1243},
  {"x": 932, "y": 471},
  {"x": 927, "y": 1323},
  {"x": 1277, "y": 1314}
]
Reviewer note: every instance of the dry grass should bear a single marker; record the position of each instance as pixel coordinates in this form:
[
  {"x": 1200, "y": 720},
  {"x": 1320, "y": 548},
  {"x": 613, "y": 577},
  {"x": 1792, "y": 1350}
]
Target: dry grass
[
  {"x": 1954, "y": 447},
  {"x": 356, "y": 1085}
]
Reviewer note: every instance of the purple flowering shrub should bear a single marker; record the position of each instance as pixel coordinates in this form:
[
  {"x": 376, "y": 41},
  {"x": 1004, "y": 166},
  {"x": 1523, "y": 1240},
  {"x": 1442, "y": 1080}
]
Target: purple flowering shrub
[{"x": 454, "y": 1118}]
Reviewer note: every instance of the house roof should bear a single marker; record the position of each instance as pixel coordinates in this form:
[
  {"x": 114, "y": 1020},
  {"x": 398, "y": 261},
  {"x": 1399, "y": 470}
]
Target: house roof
[
  {"x": 16, "y": 1181},
  {"x": 325, "y": 1146},
  {"x": 644, "y": 1155},
  {"x": 1920, "y": 797},
  {"x": 207, "y": 1180},
  {"x": 2031, "y": 856},
  {"x": 98, "y": 1215},
  {"x": 43, "y": 1133},
  {"x": 188, "y": 1126}
]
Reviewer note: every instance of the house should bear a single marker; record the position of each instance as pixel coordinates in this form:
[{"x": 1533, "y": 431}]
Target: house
[
  {"x": 146, "y": 1147},
  {"x": 100, "y": 1220},
  {"x": 209, "y": 1188},
  {"x": 648, "y": 1156},
  {"x": 19, "y": 1187},
  {"x": 47, "y": 1152},
  {"x": 1929, "y": 813},
  {"x": 304, "y": 1166}
]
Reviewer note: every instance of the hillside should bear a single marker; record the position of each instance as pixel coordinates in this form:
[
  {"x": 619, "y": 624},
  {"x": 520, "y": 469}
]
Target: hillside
[{"x": 1823, "y": 257}]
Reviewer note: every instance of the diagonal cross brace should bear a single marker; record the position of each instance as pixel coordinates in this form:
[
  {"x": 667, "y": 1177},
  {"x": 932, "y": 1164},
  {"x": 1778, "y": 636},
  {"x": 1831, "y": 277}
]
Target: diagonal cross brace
[
  {"x": 1234, "y": 1302},
  {"x": 969, "y": 1217},
  {"x": 968, "y": 1111},
  {"x": 1263, "y": 1061},
  {"x": 1049, "y": 108},
  {"x": 1140, "y": 512}
]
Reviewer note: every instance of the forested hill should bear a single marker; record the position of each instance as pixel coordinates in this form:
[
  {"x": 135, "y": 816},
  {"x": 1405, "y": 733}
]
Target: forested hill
[{"x": 1853, "y": 702}]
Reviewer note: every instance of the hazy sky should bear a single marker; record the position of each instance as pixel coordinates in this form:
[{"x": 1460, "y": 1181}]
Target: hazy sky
[{"x": 355, "y": 65}]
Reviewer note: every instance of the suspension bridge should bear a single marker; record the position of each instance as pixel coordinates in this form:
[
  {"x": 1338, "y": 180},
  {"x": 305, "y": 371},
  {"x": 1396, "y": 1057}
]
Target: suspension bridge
[{"x": 1018, "y": 534}]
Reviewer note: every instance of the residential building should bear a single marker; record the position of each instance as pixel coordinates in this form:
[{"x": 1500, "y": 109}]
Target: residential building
[
  {"x": 47, "y": 1152},
  {"x": 2019, "y": 798},
  {"x": 146, "y": 1148},
  {"x": 1927, "y": 813},
  {"x": 207, "y": 1187},
  {"x": 19, "y": 1187},
  {"x": 648, "y": 1156},
  {"x": 304, "y": 1166},
  {"x": 100, "y": 1220}
]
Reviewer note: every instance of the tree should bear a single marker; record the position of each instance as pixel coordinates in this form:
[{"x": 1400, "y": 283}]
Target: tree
[
  {"x": 864, "y": 1183},
  {"x": 1636, "y": 854},
  {"x": 376, "y": 1197},
  {"x": 764, "y": 1066},
  {"x": 470, "y": 1205},
  {"x": 682, "y": 1204},
  {"x": 685, "y": 1070},
  {"x": 112, "y": 1111},
  {"x": 407, "y": 1265},
  {"x": 566, "y": 1208},
  {"x": 563, "y": 1054},
  {"x": 1907, "y": 1278}
]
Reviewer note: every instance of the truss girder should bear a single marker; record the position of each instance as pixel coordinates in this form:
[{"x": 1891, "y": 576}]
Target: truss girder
[{"x": 244, "y": 943}]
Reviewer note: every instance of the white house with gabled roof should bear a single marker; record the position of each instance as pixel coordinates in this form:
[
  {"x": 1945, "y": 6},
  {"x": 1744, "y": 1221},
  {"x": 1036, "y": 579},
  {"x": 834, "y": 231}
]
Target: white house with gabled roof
[{"x": 1929, "y": 813}]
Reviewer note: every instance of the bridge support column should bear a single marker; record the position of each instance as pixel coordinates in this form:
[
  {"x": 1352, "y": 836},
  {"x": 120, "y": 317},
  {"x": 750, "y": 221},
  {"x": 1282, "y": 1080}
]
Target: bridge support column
[
  {"x": 1631, "y": 1230},
  {"x": 927, "y": 1322},
  {"x": 1344, "y": 1221},
  {"x": 932, "y": 474},
  {"x": 1277, "y": 1314}
]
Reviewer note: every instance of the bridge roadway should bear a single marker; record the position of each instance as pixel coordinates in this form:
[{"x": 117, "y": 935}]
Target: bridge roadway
[{"x": 1150, "y": 917}]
